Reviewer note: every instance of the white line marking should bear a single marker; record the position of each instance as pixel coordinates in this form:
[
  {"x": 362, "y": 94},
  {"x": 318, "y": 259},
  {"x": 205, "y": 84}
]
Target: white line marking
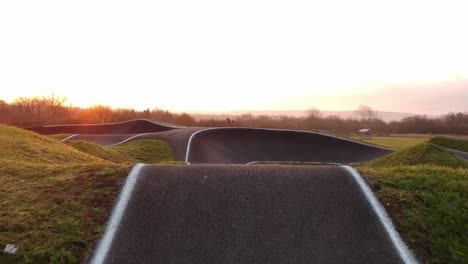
[
  {"x": 130, "y": 138},
  {"x": 272, "y": 129},
  {"x": 69, "y": 137},
  {"x": 403, "y": 251},
  {"x": 300, "y": 162},
  {"x": 189, "y": 143},
  {"x": 113, "y": 224}
]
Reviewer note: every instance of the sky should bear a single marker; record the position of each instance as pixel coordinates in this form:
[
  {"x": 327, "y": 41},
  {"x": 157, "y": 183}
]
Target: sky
[{"x": 402, "y": 56}]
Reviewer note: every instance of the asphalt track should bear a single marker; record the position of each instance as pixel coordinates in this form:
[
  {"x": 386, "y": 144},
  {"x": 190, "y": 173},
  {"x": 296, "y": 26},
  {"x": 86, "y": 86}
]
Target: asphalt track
[
  {"x": 461, "y": 154},
  {"x": 177, "y": 138},
  {"x": 248, "y": 214},
  {"x": 208, "y": 213},
  {"x": 127, "y": 127},
  {"x": 244, "y": 145},
  {"x": 229, "y": 145}
]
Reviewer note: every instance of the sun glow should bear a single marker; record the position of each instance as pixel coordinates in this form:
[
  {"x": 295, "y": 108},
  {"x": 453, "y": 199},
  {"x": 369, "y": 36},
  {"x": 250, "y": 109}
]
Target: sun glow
[{"x": 211, "y": 55}]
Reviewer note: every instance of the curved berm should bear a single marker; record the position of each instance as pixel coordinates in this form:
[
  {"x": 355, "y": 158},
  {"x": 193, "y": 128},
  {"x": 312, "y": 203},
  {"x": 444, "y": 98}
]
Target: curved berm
[
  {"x": 127, "y": 127},
  {"x": 177, "y": 138},
  {"x": 244, "y": 145},
  {"x": 248, "y": 214}
]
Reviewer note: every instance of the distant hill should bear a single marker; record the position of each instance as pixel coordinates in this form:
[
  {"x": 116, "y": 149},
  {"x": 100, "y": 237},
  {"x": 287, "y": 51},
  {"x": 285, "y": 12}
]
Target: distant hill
[{"x": 386, "y": 116}]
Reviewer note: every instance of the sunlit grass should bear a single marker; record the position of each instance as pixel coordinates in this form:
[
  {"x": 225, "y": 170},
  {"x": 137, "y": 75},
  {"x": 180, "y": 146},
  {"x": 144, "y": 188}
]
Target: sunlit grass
[
  {"x": 55, "y": 198},
  {"x": 395, "y": 142},
  {"x": 425, "y": 190}
]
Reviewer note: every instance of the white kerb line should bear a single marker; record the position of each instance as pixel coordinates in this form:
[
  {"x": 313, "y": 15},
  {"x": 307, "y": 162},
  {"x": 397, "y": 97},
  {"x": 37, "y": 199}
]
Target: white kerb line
[
  {"x": 189, "y": 143},
  {"x": 69, "y": 137},
  {"x": 128, "y": 139},
  {"x": 113, "y": 224},
  {"x": 187, "y": 153},
  {"x": 403, "y": 251}
]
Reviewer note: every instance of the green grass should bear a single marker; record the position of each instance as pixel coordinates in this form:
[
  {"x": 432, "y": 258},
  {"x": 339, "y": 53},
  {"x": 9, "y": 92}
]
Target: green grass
[
  {"x": 55, "y": 213},
  {"x": 395, "y": 142},
  {"x": 54, "y": 198},
  {"x": 25, "y": 146},
  {"x": 429, "y": 207},
  {"x": 425, "y": 190},
  {"x": 422, "y": 154},
  {"x": 147, "y": 151},
  {"x": 452, "y": 143},
  {"x": 98, "y": 151},
  {"x": 143, "y": 150}
]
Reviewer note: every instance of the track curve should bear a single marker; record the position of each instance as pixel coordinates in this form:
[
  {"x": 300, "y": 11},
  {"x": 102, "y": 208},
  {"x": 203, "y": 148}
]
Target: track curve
[
  {"x": 126, "y": 127},
  {"x": 247, "y": 214},
  {"x": 244, "y": 145},
  {"x": 177, "y": 138}
]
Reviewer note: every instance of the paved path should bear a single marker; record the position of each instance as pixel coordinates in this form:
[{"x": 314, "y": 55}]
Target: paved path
[{"x": 246, "y": 214}]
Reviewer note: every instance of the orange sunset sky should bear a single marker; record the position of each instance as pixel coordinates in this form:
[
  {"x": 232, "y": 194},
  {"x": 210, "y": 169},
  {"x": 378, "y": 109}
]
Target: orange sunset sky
[{"x": 404, "y": 56}]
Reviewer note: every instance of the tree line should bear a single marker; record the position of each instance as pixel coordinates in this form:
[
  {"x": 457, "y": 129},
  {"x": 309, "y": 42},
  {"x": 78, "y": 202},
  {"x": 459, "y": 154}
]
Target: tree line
[{"x": 53, "y": 109}]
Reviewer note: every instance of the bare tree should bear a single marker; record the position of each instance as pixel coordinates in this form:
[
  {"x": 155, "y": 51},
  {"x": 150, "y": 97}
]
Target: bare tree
[
  {"x": 101, "y": 113},
  {"x": 54, "y": 104},
  {"x": 314, "y": 113},
  {"x": 367, "y": 113}
]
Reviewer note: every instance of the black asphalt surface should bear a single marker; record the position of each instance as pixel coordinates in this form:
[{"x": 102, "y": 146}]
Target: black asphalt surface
[
  {"x": 461, "y": 154},
  {"x": 244, "y": 145},
  {"x": 240, "y": 146},
  {"x": 127, "y": 127},
  {"x": 177, "y": 138},
  {"x": 249, "y": 214}
]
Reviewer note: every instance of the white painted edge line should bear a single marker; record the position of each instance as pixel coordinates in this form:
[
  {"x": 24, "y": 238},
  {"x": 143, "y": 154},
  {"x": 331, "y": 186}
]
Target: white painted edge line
[
  {"x": 189, "y": 143},
  {"x": 301, "y": 162},
  {"x": 272, "y": 129},
  {"x": 400, "y": 246},
  {"x": 113, "y": 224},
  {"x": 128, "y": 139},
  {"x": 69, "y": 137}
]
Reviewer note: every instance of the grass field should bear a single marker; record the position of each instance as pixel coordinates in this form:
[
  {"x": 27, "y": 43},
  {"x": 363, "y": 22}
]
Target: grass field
[
  {"x": 396, "y": 142},
  {"x": 55, "y": 197},
  {"x": 425, "y": 190},
  {"x": 143, "y": 150}
]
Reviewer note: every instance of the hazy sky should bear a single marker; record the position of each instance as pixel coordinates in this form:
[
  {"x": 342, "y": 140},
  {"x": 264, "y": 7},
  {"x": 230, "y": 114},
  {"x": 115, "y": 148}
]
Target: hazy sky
[{"x": 406, "y": 56}]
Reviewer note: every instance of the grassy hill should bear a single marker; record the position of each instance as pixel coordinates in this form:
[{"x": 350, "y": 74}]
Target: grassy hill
[
  {"x": 426, "y": 153},
  {"x": 425, "y": 189},
  {"x": 24, "y": 146},
  {"x": 55, "y": 197},
  {"x": 452, "y": 143},
  {"x": 143, "y": 150}
]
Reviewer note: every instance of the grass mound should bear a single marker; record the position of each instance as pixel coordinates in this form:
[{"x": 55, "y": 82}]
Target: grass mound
[
  {"x": 143, "y": 150},
  {"x": 425, "y": 188},
  {"x": 428, "y": 205},
  {"x": 451, "y": 143},
  {"x": 395, "y": 142},
  {"x": 55, "y": 198},
  {"x": 147, "y": 150},
  {"x": 21, "y": 145},
  {"x": 422, "y": 154},
  {"x": 98, "y": 151}
]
